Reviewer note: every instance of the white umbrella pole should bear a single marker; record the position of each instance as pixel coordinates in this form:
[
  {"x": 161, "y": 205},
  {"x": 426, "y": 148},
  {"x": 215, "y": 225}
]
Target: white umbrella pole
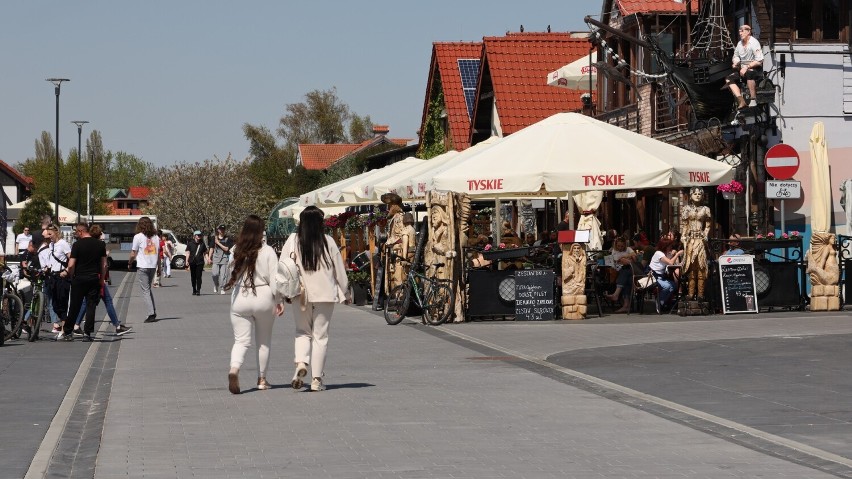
[{"x": 558, "y": 210}]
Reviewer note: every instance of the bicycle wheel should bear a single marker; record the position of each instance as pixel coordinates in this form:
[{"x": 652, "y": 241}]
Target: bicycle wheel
[
  {"x": 396, "y": 303},
  {"x": 36, "y": 313},
  {"x": 440, "y": 302},
  {"x": 11, "y": 312}
]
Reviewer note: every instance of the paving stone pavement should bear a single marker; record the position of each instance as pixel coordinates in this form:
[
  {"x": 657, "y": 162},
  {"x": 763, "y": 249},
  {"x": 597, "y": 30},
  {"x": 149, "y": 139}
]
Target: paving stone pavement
[{"x": 476, "y": 400}]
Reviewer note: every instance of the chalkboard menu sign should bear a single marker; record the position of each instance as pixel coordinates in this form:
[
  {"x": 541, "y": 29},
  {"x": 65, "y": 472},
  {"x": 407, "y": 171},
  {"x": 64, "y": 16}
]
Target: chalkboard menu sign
[
  {"x": 736, "y": 274},
  {"x": 533, "y": 295}
]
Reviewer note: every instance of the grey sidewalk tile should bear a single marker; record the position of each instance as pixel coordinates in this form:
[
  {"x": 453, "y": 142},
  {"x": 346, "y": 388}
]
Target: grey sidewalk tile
[{"x": 402, "y": 402}]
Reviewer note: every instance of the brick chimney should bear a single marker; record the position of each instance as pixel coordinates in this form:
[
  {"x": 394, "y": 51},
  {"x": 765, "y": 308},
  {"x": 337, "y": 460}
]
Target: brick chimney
[{"x": 380, "y": 130}]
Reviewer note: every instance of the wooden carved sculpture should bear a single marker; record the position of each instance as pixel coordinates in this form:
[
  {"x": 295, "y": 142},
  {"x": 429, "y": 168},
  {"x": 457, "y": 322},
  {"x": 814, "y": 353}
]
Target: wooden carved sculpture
[
  {"x": 394, "y": 268},
  {"x": 462, "y": 228},
  {"x": 440, "y": 246},
  {"x": 573, "y": 281},
  {"x": 824, "y": 273},
  {"x": 695, "y": 226}
]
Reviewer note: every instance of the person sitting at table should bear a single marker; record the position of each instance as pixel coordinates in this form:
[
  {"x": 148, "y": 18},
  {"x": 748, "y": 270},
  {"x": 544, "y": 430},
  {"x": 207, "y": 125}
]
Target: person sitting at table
[
  {"x": 476, "y": 258},
  {"x": 659, "y": 267},
  {"x": 509, "y": 237},
  {"x": 623, "y": 258},
  {"x": 733, "y": 246}
]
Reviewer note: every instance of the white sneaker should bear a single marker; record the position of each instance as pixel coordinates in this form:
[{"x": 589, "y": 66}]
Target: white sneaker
[
  {"x": 752, "y": 103},
  {"x": 222, "y": 291},
  {"x": 317, "y": 385},
  {"x": 301, "y": 371},
  {"x": 215, "y": 290}
]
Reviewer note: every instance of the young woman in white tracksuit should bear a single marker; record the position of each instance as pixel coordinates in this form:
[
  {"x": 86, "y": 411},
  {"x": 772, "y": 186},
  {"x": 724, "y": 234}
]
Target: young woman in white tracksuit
[
  {"x": 254, "y": 301},
  {"x": 325, "y": 283}
]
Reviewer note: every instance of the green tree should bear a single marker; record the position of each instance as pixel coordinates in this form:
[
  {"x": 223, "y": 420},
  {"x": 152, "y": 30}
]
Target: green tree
[
  {"x": 200, "y": 196},
  {"x": 125, "y": 170},
  {"x": 33, "y": 214},
  {"x": 118, "y": 170},
  {"x": 321, "y": 118}
]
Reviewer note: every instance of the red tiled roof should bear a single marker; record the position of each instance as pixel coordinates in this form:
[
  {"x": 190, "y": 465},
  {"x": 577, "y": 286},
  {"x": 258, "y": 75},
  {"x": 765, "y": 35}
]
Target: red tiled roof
[
  {"x": 445, "y": 58},
  {"x": 139, "y": 192},
  {"x": 27, "y": 181},
  {"x": 629, "y": 7},
  {"x": 321, "y": 156},
  {"x": 519, "y": 64}
]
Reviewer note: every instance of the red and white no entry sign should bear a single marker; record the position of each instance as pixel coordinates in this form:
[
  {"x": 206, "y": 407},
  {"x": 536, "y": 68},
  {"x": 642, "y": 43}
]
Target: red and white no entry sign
[{"x": 782, "y": 161}]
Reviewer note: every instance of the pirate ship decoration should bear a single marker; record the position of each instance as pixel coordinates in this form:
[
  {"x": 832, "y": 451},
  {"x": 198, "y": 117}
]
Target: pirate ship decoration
[{"x": 699, "y": 70}]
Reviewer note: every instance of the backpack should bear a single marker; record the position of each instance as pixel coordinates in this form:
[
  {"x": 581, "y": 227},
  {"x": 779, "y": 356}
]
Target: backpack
[{"x": 289, "y": 276}]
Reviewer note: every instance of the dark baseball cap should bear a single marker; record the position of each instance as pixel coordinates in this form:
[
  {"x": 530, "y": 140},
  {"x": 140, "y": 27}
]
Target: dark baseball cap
[{"x": 221, "y": 227}]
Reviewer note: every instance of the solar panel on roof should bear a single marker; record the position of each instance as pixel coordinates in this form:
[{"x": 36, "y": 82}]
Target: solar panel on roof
[{"x": 469, "y": 71}]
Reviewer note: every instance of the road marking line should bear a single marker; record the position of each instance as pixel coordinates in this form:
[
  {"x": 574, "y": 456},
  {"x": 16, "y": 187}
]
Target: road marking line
[
  {"x": 41, "y": 460},
  {"x": 788, "y": 443}
]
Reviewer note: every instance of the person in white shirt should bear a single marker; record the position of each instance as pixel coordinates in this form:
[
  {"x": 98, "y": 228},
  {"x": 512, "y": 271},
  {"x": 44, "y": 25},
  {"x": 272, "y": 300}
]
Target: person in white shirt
[
  {"x": 145, "y": 250},
  {"x": 255, "y": 300},
  {"x": 45, "y": 259},
  {"x": 23, "y": 240},
  {"x": 748, "y": 63},
  {"x": 324, "y": 279},
  {"x": 59, "y": 283}
]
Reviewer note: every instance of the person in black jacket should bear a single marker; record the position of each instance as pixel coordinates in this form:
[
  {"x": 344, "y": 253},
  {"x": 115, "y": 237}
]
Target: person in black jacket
[{"x": 197, "y": 258}]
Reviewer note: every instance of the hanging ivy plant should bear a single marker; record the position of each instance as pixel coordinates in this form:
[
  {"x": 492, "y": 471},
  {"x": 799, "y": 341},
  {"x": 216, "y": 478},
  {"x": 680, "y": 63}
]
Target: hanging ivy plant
[{"x": 434, "y": 137}]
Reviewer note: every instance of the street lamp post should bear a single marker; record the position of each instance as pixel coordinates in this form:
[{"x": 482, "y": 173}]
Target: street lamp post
[
  {"x": 91, "y": 207},
  {"x": 57, "y": 83},
  {"x": 79, "y": 124}
]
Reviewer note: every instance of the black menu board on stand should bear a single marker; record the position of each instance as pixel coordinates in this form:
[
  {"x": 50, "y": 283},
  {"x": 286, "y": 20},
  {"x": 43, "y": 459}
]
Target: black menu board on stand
[
  {"x": 736, "y": 275},
  {"x": 533, "y": 295}
]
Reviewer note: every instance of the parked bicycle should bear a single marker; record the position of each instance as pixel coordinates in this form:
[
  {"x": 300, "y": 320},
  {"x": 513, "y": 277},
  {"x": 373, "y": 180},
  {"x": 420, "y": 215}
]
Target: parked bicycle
[
  {"x": 11, "y": 306},
  {"x": 37, "y": 312},
  {"x": 434, "y": 296}
]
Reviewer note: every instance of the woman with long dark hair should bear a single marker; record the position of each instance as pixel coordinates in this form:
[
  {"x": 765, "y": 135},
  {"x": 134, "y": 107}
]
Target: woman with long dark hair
[
  {"x": 255, "y": 300},
  {"x": 146, "y": 252},
  {"x": 324, "y": 280}
]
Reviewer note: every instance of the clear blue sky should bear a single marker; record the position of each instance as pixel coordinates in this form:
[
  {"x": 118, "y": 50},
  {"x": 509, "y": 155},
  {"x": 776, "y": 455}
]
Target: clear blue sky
[{"x": 173, "y": 81}]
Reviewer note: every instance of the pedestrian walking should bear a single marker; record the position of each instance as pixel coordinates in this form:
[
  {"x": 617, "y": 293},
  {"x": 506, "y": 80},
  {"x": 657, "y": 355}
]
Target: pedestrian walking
[
  {"x": 45, "y": 259},
  {"x": 96, "y": 232},
  {"x": 219, "y": 257},
  {"x": 324, "y": 280},
  {"x": 87, "y": 267},
  {"x": 59, "y": 283},
  {"x": 168, "y": 250},
  {"x": 255, "y": 300},
  {"x": 145, "y": 250},
  {"x": 197, "y": 256},
  {"x": 23, "y": 240}
]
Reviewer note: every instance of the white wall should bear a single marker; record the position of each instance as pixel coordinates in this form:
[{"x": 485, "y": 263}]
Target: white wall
[{"x": 815, "y": 87}]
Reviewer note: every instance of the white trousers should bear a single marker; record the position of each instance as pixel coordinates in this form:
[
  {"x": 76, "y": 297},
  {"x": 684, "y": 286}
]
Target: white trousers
[
  {"x": 247, "y": 310},
  {"x": 312, "y": 335}
]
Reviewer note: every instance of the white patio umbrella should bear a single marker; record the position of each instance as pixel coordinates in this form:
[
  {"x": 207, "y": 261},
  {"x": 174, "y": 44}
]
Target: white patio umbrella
[
  {"x": 422, "y": 182},
  {"x": 400, "y": 183},
  {"x": 360, "y": 189},
  {"x": 577, "y": 75},
  {"x": 570, "y": 152},
  {"x": 318, "y": 195},
  {"x": 820, "y": 181}
]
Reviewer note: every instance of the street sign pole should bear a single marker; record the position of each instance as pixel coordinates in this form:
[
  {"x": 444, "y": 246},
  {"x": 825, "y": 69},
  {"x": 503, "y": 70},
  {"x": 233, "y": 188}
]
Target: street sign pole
[{"x": 782, "y": 162}]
